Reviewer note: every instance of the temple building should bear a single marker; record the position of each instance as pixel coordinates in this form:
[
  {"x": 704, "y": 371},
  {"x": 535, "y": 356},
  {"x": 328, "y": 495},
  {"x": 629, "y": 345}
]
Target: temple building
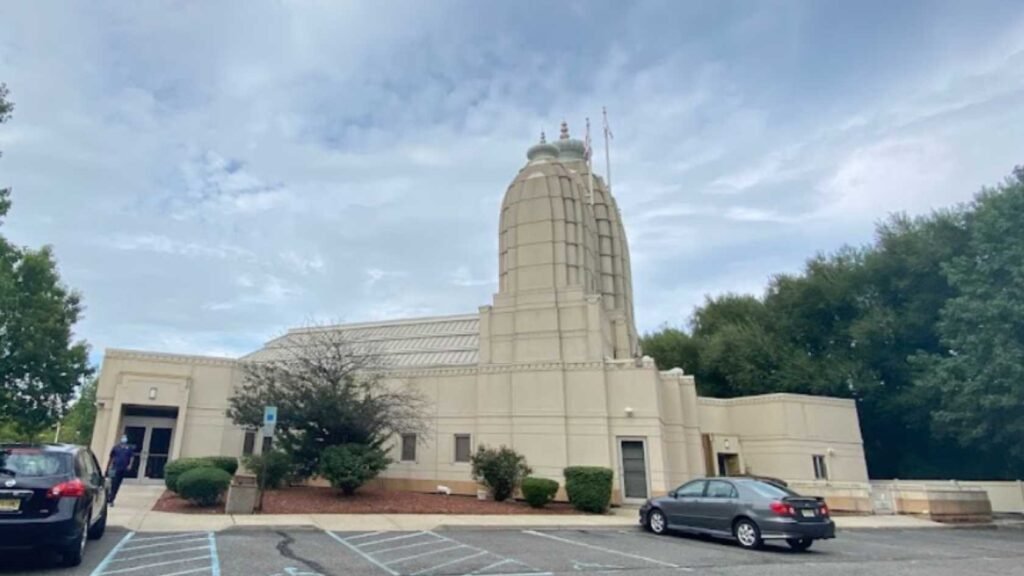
[{"x": 551, "y": 367}]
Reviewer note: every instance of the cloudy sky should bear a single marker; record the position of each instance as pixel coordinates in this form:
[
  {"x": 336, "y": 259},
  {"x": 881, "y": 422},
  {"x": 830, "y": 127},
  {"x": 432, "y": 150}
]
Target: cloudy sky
[{"x": 210, "y": 174}]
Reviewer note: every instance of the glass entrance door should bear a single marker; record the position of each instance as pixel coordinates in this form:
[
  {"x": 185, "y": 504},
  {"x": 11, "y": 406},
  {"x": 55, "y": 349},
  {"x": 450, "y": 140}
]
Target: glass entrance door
[
  {"x": 136, "y": 437},
  {"x": 159, "y": 450}
]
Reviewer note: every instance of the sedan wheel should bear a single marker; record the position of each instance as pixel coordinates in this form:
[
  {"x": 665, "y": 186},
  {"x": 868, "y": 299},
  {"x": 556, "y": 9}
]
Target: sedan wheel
[
  {"x": 748, "y": 534},
  {"x": 799, "y": 544},
  {"x": 656, "y": 521}
]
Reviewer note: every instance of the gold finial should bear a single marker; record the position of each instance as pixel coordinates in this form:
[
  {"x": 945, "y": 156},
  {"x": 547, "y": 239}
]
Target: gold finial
[{"x": 565, "y": 131}]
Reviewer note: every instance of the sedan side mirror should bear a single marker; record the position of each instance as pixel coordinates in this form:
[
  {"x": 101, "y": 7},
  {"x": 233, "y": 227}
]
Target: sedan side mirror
[{"x": 672, "y": 494}]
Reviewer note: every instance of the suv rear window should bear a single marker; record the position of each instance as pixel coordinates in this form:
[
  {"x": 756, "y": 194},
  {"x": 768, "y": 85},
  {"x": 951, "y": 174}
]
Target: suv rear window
[{"x": 28, "y": 462}]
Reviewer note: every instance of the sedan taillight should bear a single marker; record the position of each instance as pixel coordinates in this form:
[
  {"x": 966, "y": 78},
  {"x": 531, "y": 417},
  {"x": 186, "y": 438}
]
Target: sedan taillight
[
  {"x": 70, "y": 489},
  {"x": 781, "y": 508},
  {"x": 824, "y": 509}
]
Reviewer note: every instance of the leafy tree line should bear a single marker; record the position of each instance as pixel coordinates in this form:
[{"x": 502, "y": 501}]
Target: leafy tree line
[
  {"x": 924, "y": 328},
  {"x": 41, "y": 365}
]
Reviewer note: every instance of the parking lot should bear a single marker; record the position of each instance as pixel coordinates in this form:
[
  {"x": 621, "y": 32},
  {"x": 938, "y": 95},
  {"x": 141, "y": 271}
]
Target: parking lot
[{"x": 465, "y": 552}]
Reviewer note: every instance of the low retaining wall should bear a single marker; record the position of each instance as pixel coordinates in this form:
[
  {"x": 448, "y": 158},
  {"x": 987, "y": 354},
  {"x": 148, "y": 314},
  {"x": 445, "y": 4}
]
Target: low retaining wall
[
  {"x": 843, "y": 497},
  {"x": 940, "y": 501}
]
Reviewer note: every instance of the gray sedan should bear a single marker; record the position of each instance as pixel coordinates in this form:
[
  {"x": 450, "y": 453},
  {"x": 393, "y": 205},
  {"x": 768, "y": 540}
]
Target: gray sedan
[{"x": 747, "y": 509}]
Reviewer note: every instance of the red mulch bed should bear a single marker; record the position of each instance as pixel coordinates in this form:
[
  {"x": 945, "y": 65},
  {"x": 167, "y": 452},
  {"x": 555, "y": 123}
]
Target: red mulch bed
[{"x": 319, "y": 500}]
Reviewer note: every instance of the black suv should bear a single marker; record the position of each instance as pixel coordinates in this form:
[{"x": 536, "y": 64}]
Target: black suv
[{"x": 52, "y": 496}]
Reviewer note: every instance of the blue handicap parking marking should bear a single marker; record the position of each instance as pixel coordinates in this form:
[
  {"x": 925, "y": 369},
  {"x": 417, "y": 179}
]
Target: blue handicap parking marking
[
  {"x": 192, "y": 553},
  {"x": 428, "y": 553}
]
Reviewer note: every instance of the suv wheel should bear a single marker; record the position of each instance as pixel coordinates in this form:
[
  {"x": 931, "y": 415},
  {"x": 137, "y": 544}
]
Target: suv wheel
[
  {"x": 72, "y": 555},
  {"x": 96, "y": 530},
  {"x": 747, "y": 534},
  {"x": 656, "y": 521}
]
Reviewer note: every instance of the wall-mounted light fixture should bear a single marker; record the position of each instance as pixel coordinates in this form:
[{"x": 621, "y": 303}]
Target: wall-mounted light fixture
[
  {"x": 629, "y": 411},
  {"x": 152, "y": 393}
]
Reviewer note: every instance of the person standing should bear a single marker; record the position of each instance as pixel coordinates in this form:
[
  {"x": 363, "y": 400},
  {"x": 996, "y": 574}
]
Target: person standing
[{"x": 122, "y": 455}]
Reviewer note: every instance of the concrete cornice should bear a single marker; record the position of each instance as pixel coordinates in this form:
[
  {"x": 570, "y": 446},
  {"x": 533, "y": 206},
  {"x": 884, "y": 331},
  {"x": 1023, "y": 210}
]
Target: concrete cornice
[
  {"x": 123, "y": 354},
  {"x": 777, "y": 397}
]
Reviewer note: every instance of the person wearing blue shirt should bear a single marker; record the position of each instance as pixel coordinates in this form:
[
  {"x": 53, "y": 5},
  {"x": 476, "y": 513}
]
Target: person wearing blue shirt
[{"x": 121, "y": 457}]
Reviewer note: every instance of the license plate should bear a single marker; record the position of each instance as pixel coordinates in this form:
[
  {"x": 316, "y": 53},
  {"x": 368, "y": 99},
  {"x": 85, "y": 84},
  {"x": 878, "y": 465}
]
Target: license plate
[
  {"x": 806, "y": 513},
  {"x": 8, "y": 505}
]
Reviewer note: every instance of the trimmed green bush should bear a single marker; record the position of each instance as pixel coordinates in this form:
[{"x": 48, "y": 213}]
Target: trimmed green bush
[
  {"x": 271, "y": 469},
  {"x": 349, "y": 466},
  {"x": 501, "y": 470},
  {"x": 538, "y": 491},
  {"x": 203, "y": 486},
  {"x": 174, "y": 469},
  {"x": 228, "y": 464},
  {"x": 589, "y": 487}
]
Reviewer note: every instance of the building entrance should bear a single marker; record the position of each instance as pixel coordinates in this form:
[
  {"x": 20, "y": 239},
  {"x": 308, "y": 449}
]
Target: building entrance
[{"x": 150, "y": 433}]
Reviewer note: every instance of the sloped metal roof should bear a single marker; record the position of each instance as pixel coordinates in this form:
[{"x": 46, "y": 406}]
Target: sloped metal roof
[{"x": 412, "y": 343}]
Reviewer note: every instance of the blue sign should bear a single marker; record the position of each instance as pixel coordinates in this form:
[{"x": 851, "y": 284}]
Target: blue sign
[{"x": 269, "y": 420}]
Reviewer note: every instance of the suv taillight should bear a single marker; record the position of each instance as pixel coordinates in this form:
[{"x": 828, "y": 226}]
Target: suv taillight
[
  {"x": 70, "y": 489},
  {"x": 781, "y": 508},
  {"x": 824, "y": 509}
]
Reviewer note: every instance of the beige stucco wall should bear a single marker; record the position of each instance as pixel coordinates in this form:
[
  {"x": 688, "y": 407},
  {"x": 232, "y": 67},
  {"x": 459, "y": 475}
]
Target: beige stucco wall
[
  {"x": 778, "y": 433},
  {"x": 197, "y": 386}
]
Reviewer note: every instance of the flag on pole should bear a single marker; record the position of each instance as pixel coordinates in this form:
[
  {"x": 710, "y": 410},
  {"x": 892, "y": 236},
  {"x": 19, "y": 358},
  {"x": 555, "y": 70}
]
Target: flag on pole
[
  {"x": 586, "y": 144},
  {"x": 590, "y": 168}
]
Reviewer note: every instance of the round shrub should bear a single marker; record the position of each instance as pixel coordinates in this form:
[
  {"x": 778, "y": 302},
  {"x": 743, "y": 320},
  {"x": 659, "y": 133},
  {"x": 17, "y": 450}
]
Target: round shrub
[
  {"x": 589, "y": 487},
  {"x": 203, "y": 486},
  {"x": 271, "y": 469},
  {"x": 174, "y": 469},
  {"x": 349, "y": 466},
  {"x": 501, "y": 470},
  {"x": 538, "y": 491},
  {"x": 228, "y": 464}
]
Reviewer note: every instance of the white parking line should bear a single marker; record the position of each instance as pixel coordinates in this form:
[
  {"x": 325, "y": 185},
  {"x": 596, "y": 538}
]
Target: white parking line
[
  {"x": 181, "y": 535},
  {"x": 416, "y": 545},
  {"x": 428, "y": 553},
  {"x": 383, "y": 540},
  {"x": 200, "y": 539},
  {"x": 450, "y": 562},
  {"x": 366, "y": 535},
  {"x": 155, "y": 564},
  {"x": 365, "y": 556},
  {"x": 193, "y": 571},
  {"x": 151, "y": 554},
  {"x": 607, "y": 550}
]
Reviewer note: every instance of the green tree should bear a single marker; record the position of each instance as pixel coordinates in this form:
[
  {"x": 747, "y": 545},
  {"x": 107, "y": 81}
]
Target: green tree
[
  {"x": 979, "y": 377},
  {"x": 40, "y": 364},
  {"x": 77, "y": 425},
  {"x": 327, "y": 393}
]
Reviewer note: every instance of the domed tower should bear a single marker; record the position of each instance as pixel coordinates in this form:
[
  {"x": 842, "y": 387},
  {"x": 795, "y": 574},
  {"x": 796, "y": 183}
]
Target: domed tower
[{"x": 564, "y": 291}]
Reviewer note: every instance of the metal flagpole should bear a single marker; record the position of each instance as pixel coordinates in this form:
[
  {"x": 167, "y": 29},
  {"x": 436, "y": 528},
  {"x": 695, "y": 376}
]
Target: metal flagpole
[
  {"x": 590, "y": 167},
  {"x": 607, "y": 155}
]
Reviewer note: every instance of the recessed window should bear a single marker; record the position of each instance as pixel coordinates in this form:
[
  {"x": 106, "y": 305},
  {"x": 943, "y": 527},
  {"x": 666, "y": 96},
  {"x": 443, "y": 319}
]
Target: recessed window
[
  {"x": 820, "y": 468},
  {"x": 408, "y": 447},
  {"x": 462, "y": 448},
  {"x": 249, "y": 444}
]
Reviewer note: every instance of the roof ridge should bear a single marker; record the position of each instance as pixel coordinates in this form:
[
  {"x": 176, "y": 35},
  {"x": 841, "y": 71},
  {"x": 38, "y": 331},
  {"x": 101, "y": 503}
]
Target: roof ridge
[{"x": 387, "y": 323}]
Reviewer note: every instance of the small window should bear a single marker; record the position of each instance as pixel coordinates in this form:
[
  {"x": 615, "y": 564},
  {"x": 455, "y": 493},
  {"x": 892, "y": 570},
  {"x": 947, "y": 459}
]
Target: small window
[
  {"x": 249, "y": 444},
  {"x": 462, "y": 448},
  {"x": 719, "y": 489},
  {"x": 408, "y": 447},
  {"x": 268, "y": 444},
  {"x": 820, "y": 468},
  {"x": 694, "y": 489}
]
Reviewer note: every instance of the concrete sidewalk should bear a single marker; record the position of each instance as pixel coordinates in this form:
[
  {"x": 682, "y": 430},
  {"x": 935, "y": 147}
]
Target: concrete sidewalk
[{"x": 134, "y": 511}]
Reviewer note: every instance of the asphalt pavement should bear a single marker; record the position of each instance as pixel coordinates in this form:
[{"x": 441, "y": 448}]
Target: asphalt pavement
[{"x": 525, "y": 552}]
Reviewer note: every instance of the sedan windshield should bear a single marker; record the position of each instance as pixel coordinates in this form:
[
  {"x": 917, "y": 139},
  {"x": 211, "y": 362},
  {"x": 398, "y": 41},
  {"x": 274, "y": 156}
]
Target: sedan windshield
[{"x": 27, "y": 462}]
